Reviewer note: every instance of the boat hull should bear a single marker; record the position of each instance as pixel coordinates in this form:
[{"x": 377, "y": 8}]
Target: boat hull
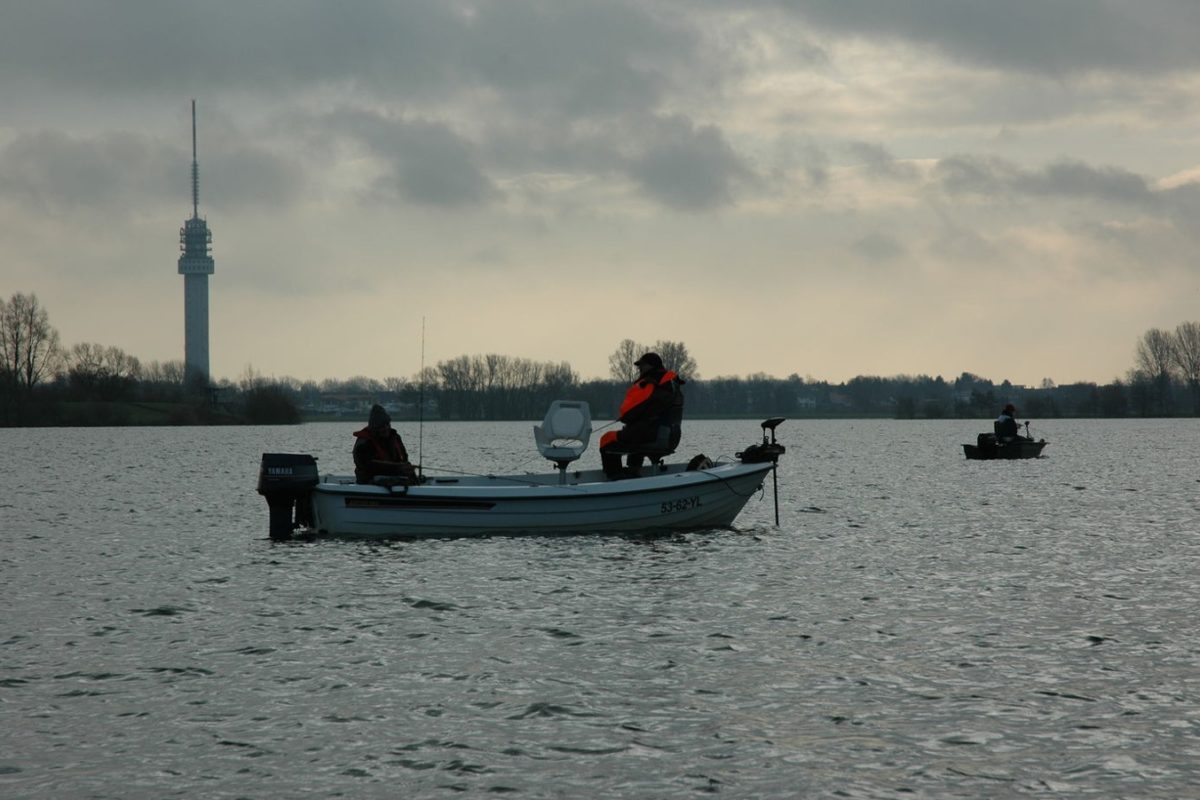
[
  {"x": 583, "y": 502},
  {"x": 1007, "y": 450}
]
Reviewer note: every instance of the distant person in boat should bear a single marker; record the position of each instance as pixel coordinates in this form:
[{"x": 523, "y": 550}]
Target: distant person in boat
[
  {"x": 652, "y": 414},
  {"x": 1007, "y": 429},
  {"x": 378, "y": 450}
]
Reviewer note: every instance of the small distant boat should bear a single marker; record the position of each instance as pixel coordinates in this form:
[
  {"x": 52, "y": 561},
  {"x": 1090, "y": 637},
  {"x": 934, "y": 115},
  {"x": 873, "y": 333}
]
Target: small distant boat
[
  {"x": 658, "y": 497},
  {"x": 989, "y": 446}
]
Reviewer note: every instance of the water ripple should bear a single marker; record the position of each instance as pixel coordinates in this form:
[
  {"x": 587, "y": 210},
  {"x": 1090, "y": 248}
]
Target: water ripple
[{"x": 918, "y": 624}]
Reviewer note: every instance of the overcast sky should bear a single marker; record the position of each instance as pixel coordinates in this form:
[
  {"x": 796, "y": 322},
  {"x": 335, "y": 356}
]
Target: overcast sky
[{"x": 823, "y": 187}]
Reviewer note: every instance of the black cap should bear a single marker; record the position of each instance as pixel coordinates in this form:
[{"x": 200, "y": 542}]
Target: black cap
[
  {"x": 650, "y": 360},
  {"x": 378, "y": 418}
]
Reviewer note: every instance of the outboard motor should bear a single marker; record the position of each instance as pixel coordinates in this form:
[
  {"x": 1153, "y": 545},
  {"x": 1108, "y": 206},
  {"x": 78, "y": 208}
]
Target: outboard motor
[{"x": 286, "y": 480}]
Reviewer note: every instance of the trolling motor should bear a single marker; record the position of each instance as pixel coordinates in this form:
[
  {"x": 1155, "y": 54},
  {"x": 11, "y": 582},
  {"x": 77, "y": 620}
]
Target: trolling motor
[
  {"x": 286, "y": 480},
  {"x": 767, "y": 451}
]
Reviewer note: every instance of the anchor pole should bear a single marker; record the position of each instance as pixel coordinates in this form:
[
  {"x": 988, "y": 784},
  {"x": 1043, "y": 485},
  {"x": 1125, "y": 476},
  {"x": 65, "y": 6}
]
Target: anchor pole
[{"x": 775, "y": 486}]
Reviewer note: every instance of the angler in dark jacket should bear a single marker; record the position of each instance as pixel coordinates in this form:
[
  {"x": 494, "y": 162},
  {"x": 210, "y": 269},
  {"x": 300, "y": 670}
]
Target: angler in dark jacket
[
  {"x": 1006, "y": 426},
  {"x": 378, "y": 449},
  {"x": 652, "y": 413}
]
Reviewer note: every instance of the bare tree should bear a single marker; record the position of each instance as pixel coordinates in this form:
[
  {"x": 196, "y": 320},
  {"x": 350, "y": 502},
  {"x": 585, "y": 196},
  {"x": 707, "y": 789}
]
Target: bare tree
[
  {"x": 676, "y": 357},
  {"x": 162, "y": 380},
  {"x": 97, "y": 372},
  {"x": 251, "y": 379},
  {"x": 620, "y": 363},
  {"x": 165, "y": 372},
  {"x": 29, "y": 348},
  {"x": 98, "y": 362},
  {"x": 1155, "y": 359},
  {"x": 1186, "y": 354}
]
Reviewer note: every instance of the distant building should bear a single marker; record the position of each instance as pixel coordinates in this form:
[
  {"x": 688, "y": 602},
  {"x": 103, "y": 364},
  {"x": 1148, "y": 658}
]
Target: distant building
[
  {"x": 195, "y": 265},
  {"x": 839, "y": 400}
]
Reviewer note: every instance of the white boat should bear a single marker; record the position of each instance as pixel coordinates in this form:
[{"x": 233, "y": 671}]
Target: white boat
[{"x": 661, "y": 497}]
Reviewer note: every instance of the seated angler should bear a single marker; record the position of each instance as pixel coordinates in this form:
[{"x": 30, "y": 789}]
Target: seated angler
[
  {"x": 1006, "y": 426},
  {"x": 379, "y": 451},
  {"x": 651, "y": 413}
]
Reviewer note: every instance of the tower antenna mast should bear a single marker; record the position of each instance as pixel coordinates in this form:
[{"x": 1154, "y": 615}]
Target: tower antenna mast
[
  {"x": 195, "y": 265},
  {"x": 195, "y": 168}
]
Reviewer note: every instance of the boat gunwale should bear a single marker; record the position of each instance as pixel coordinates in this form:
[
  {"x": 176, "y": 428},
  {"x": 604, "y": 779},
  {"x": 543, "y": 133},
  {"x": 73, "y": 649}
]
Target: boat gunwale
[
  {"x": 545, "y": 491},
  {"x": 1000, "y": 452}
]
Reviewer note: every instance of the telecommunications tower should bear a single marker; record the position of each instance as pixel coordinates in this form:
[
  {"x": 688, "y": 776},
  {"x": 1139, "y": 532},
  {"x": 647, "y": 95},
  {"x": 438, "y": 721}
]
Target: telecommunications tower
[{"x": 195, "y": 265}]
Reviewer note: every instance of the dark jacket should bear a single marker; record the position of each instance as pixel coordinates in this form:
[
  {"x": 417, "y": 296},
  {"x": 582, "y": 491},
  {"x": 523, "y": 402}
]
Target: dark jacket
[
  {"x": 370, "y": 450},
  {"x": 654, "y": 401},
  {"x": 1006, "y": 428}
]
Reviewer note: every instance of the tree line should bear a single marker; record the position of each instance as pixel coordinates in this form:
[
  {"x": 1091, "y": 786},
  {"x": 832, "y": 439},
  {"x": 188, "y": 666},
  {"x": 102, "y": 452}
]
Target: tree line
[{"x": 44, "y": 383}]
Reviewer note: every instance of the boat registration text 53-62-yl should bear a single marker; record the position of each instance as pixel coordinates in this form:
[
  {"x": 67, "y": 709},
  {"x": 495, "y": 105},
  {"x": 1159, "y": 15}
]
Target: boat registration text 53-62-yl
[{"x": 679, "y": 505}]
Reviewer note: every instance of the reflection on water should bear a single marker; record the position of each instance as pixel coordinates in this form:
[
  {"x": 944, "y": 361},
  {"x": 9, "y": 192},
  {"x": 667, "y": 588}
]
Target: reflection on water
[{"x": 917, "y": 624}]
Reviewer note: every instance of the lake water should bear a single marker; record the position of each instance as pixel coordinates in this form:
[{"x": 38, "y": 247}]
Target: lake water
[{"x": 917, "y": 625}]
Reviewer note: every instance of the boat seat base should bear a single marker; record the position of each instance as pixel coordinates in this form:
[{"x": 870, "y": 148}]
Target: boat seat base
[{"x": 654, "y": 455}]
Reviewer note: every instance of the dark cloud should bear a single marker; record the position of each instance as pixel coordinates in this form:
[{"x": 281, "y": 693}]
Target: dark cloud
[
  {"x": 582, "y": 59},
  {"x": 244, "y": 176},
  {"x": 453, "y": 99},
  {"x": 450, "y": 96},
  {"x": 1001, "y": 182},
  {"x": 433, "y": 166},
  {"x": 964, "y": 246},
  {"x": 123, "y": 46},
  {"x": 534, "y": 146},
  {"x": 123, "y": 173},
  {"x": 880, "y": 163},
  {"x": 672, "y": 160},
  {"x": 878, "y": 247},
  {"x": 817, "y": 172},
  {"x": 972, "y": 174},
  {"x": 1135, "y": 249},
  {"x": 689, "y": 167},
  {"x": 52, "y": 173},
  {"x": 1076, "y": 179},
  {"x": 1060, "y": 37},
  {"x": 542, "y": 56},
  {"x": 996, "y": 177},
  {"x": 425, "y": 162},
  {"x": 1183, "y": 204},
  {"x": 799, "y": 161}
]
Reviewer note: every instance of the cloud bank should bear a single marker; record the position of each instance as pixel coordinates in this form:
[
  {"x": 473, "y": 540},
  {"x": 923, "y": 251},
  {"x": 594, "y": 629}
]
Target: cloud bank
[{"x": 879, "y": 164}]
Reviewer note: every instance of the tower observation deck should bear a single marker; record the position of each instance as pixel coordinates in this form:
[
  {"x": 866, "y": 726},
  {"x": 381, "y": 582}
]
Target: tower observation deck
[{"x": 195, "y": 265}]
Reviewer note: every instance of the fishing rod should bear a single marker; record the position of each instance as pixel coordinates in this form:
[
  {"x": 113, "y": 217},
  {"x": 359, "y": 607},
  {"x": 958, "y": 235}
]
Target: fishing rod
[{"x": 421, "y": 409}]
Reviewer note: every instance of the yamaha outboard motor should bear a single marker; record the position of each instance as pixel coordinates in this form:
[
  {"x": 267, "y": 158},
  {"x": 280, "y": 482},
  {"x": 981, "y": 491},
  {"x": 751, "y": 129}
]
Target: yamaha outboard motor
[{"x": 286, "y": 480}]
